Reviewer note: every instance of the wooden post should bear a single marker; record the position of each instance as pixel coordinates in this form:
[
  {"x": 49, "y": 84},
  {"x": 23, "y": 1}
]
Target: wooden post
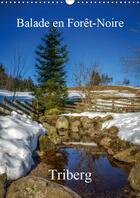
[{"x": 113, "y": 105}]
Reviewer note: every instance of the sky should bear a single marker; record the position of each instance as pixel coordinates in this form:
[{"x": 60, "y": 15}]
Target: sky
[{"x": 105, "y": 47}]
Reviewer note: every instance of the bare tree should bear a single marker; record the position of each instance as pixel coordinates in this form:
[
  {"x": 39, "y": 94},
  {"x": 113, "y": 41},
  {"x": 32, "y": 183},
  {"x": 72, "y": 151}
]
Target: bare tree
[
  {"x": 17, "y": 72},
  {"x": 132, "y": 64},
  {"x": 82, "y": 76}
]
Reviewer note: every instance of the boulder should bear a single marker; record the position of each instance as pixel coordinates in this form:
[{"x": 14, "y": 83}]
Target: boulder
[
  {"x": 113, "y": 131},
  {"x": 106, "y": 118},
  {"x": 50, "y": 119},
  {"x": 134, "y": 177},
  {"x": 97, "y": 119},
  {"x": 87, "y": 122},
  {"x": 42, "y": 170},
  {"x": 75, "y": 136},
  {"x": 75, "y": 125},
  {"x": 73, "y": 118},
  {"x": 105, "y": 142},
  {"x": 75, "y": 129},
  {"x": 2, "y": 184},
  {"x": 52, "y": 133},
  {"x": 64, "y": 135},
  {"x": 130, "y": 155},
  {"x": 63, "y": 132},
  {"x": 62, "y": 123},
  {"x": 97, "y": 126},
  {"x": 45, "y": 143},
  {"x": 36, "y": 187}
]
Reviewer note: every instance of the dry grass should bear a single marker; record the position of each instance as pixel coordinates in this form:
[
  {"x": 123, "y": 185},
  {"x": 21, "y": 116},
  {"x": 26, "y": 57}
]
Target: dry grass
[{"x": 101, "y": 88}]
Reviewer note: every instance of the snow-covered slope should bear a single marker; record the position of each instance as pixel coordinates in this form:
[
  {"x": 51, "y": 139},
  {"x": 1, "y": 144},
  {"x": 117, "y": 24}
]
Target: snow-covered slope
[
  {"x": 128, "y": 124},
  {"x": 20, "y": 94},
  {"x": 18, "y": 139}
]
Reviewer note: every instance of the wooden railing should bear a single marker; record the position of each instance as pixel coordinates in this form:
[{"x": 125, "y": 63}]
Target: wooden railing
[
  {"x": 21, "y": 107},
  {"x": 112, "y": 104},
  {"x": 101, "y": 101}
]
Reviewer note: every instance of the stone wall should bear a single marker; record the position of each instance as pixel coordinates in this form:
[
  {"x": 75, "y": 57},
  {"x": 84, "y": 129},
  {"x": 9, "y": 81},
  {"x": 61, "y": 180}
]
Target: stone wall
[{"x": 72, "y": 128}]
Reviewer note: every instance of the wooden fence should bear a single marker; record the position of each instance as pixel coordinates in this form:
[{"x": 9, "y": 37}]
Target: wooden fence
[
  {"x": 21, "y": 107},
  {"x": 108, "y": 102},
  {"x": 100, "y": 101}
]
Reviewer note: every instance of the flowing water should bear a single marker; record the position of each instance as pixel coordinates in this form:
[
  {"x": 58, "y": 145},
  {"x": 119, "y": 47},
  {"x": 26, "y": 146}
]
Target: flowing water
[{"x": 109, "y": 180}]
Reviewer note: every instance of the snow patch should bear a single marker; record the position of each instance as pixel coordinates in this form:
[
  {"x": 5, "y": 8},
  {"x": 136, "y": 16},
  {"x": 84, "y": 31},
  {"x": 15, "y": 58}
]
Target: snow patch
[
  {"x": 18, "y": 139},
  {"x": 127, "y": 123},
  {"x": 20, "y": 94}
]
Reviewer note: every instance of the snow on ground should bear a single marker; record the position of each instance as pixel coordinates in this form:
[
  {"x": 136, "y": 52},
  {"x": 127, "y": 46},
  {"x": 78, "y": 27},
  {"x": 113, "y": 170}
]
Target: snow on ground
[
  {"x": 73, "y": 94},
  {"x": 18, "y": 139},
  {"x": 20, "y": 94},
  {"x": 128, "y": 124}
]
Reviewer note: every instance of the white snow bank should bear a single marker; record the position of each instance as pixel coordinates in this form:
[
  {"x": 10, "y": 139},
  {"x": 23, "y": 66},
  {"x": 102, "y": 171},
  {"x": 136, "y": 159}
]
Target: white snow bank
[
  {"x": 18, "y": 139},
  {"x": 72, "y": 95},
  {"x": 20, "y": 94},
  {"x": 128, "y": 124}
]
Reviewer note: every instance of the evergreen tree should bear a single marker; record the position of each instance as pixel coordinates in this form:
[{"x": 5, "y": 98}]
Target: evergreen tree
[
  {"x": 99, "y": 79},
  {"x": 105, "y": 79},
  {"x": 95, "y": 78},
  {"x": 125, "y": 82},
  {"x": 51, "y": 59},
  {"x": 3, "y": 77}
]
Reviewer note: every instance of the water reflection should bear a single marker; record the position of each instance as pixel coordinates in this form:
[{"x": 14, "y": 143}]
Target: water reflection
[{"x": 108, "y": 179}]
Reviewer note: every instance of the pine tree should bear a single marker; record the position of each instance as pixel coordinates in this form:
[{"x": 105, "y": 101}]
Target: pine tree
[
  {"x": 3, "y": 77},
  {"x": 105, "y": 79},
  {"x": 51, "y": 59},
  {"x": 97, "y": 79}
]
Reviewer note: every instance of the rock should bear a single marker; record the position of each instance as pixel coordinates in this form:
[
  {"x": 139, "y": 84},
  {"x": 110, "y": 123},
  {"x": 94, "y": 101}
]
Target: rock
[
  {"x": 63, "y": 132},
  {"x": 75, "y": 125},
  {"x": 45, "y": 144},
  {"x": 58, "y": 154},
  {"x": 2, "y": 184},
  {"x": 106, "y": 118},
  {"x": 134, "y": 177},
  {"x": 52, "y": 133},
  {"x": 42, "y": 170},
  {"x": 87, "y": 122},
  {"x": 62, "y": 123},
  {"x": 50, "y": 119},
  {"x": 73, "y": 118},
  {"x": 36, "y": 187},
  {"x": 130, "y": 155},
  {"x": 97, "y": 119},
  {"x": 134, "y": 194},
  {"x": 97, "y": 126},
  {"x": 97, "y": 151},
  {"x": 53, "y": 111},
  {"x": 113, "y": 131},
  {"x": 86, "y": 139},
  {"x": 105, "y": 142},
  {"x": 64, "y": 135},
  {"x": 75, "y": 136},
  {"x": 75, "y": 129}
]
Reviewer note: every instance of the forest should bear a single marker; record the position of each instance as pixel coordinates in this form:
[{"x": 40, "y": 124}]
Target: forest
[{"x": 14, "y": 82}]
